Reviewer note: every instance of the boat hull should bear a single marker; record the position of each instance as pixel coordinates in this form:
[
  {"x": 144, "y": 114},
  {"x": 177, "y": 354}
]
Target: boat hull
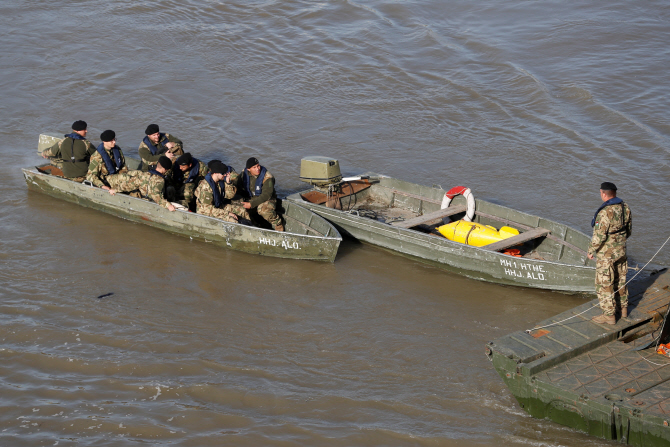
[
  {"x": 473, "y": 262},
  {"x": 319, "y": 240}
]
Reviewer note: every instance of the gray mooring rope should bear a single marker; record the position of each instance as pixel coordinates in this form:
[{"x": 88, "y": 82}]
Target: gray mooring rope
[{"x": 528, "y": 331}]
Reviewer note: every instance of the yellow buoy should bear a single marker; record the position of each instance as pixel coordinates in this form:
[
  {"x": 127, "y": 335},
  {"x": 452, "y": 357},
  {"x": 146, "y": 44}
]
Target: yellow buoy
[{"x": 475, "y": 234}]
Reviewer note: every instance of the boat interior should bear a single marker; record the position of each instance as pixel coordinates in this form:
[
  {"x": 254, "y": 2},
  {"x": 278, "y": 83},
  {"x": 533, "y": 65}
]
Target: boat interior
[
  {"x": 297, "y": 220},
  {"x": 417, "y": 207}
]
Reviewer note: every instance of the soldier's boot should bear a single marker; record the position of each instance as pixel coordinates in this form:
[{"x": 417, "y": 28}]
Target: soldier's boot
[
  {"x": 279, "y": 227},
  {"x": 624, "y": 312},
  {"x": 604, "y": 319}
]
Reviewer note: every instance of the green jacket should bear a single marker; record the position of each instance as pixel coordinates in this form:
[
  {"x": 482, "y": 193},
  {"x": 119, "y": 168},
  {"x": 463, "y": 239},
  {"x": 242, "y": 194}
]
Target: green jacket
[
  {"x": 149, "y": 160},
  {"x": 67, "y": 149},
  {"x": 267, "y": 191}
]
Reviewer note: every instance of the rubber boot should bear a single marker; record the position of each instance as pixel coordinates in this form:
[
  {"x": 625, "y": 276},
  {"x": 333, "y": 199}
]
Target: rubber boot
[
  {"x": 624, "y": 312},
  {"x": 604, "y": 319}
]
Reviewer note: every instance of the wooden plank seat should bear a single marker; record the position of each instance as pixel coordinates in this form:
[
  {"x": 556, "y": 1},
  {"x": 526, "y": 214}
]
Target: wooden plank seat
[
  {"x": 518, "y": 239},
  {"x": 439, "y": 214}
]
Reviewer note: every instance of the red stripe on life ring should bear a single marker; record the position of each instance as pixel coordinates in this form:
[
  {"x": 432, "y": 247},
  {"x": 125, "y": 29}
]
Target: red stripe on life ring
[{"x": 456, "y": 190}]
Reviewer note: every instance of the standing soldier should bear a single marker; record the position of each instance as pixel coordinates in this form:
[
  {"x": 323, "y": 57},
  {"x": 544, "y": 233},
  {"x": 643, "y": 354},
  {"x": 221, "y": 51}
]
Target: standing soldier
[
  {"x": 108, "y": 165},
  {"x": 259, "y": 190},
  {"x": 216, "y": 190},
  {"x": 150, "y": 184},
  {"x": 612, "y": 225},
  {"x": 156, "y": 144},
  {"x": 75, "y": 150}
]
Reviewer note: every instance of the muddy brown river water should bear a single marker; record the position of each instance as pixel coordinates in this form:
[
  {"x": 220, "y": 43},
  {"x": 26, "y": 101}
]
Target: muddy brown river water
[{"x": 530, "y": 104}]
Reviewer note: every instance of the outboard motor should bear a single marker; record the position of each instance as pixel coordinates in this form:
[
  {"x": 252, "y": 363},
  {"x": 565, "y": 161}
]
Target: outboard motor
[{"x": 320, "y": 171}]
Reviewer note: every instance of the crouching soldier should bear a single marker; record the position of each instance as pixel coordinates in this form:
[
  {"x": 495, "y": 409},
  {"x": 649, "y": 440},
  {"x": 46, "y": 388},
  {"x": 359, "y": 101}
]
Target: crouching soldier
[
  {"x": 108, "y": 168},
  {"x": 157, "y": 144},
  {"x": 258, "y": 187},
  {"x": 186, "y": 176},
  {"x": 214, "y": 194},
  {"x": 150, "y": 184},
  {"x": 75, "y": 150}
]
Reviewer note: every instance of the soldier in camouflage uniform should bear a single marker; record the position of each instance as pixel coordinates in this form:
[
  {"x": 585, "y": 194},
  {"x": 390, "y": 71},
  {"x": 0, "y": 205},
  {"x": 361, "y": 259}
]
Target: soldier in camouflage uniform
[
  {"x": 75, "y": 150},
  {"x": 150, "y": 184},
  {"x": 258, "y": 187},
  {"x": 157, "y": 144},
  {"x": 612, "y": 225},
  {"x": 108, "y": 169},
  {"x": 214, "y": 194},
  {"x": 187, "y": 174}
]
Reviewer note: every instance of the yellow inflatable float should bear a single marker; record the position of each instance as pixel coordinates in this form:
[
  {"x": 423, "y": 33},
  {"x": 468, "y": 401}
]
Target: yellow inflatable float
[{"x": 476, "y": 234}]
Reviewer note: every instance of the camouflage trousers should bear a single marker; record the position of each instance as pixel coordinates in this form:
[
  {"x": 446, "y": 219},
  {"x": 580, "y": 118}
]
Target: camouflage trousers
[
  {"x": 185, "y": 193},
  {"x": 610, "y": 277},
  {"x": 77, "y": 179},
  {"x": 268, "y": 211},
  {"x": 225, "y": 212},
  {"x": 124, "y": 181}
]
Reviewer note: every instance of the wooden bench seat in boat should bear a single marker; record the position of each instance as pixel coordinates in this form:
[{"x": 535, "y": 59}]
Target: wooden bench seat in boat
[{"x": 518, "y": 239}]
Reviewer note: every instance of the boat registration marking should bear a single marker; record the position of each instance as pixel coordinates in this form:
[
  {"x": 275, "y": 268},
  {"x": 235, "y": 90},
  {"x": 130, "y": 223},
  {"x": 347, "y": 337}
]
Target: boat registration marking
[
  {"x": 284, "y": 244},
  {"x": 523, "y": 270}
]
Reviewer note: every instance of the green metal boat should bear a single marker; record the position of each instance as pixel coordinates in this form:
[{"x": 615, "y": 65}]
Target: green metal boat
[
  {"x": 307, "y": 235},
  {"x": 607, "y": 381},
  {"x": 403, "y": 216}
]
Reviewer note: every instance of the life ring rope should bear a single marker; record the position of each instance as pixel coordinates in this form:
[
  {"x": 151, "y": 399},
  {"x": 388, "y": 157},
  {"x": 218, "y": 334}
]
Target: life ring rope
[{"x": 461, "y": 191}]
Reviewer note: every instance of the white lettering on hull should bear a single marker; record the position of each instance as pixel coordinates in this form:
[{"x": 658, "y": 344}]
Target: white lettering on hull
[
  {"x": 523, "y": 270},
  {"x": 284, "y": 244}
]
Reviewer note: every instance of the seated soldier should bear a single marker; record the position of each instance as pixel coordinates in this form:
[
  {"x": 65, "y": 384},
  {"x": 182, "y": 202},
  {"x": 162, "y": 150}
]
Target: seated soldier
[
  {"x": 107, "y": 169},
  {"x": 258, "y": 187},
  {"x": 156, "y": 144},
  {"x": 187, "y": 173},
  {"x": 150, "y": 184},
  {"x": 75, "y": 150},
  {"x": 214, "y": 194}
]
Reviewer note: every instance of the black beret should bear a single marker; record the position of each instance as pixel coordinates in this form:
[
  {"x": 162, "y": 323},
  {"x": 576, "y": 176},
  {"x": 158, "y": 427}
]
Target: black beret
[
  {"x": 79, "y": 125},
  {"x": 217, "y": 167},
  {"x": 253, "y": 161},
  {"x": 607, "y": 186},
  {"x": 185, "y": 159},
  {"x": 165, "y": 162},
  {"x": 108, "y": 135},
  {"x": 151, "y": 129}
]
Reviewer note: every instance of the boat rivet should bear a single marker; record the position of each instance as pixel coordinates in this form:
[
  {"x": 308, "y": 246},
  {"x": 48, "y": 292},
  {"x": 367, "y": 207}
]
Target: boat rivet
[
  {"x": 534, "y": 390},
  {"x": 630, "y": 390},
  {"x": 508, "y": 375},
  {"x": 665, "y": 423},
  {"x": 638, "y": 403}
]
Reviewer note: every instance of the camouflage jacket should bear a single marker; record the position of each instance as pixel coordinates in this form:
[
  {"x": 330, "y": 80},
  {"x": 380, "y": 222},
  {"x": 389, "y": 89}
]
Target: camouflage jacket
[
  {"x": 205, "y": 203},
  {"x": 179, "y": 176},
  {"x": 67, "y": 149},
  {"x": 267, "y": 193},
  {"x": 97, "y": 170},
  {"x": 608, "y": 242},
  {"x": 150, "y": 160},
  {"x": 152, "y": 187}
]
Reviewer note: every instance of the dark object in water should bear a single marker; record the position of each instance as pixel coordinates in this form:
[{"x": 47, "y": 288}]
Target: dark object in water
[{"x": 106, "y": 295}]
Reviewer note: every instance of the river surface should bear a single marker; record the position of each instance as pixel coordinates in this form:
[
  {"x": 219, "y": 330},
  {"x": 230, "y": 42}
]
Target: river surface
[{"x": 530, "y": 104}]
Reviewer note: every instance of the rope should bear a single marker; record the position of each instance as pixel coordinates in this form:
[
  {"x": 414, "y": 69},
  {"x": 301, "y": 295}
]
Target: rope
[{"x": 528, "y": 331}]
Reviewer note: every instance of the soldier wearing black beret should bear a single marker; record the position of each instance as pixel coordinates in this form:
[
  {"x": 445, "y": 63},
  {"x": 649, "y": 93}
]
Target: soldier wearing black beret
[
  {"x": 612, "y": 226},
  {"x": 155, "y": 144}
]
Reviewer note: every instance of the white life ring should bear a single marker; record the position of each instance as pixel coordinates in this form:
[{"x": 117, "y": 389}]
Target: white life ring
[{"x": 467, "y": 193}]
